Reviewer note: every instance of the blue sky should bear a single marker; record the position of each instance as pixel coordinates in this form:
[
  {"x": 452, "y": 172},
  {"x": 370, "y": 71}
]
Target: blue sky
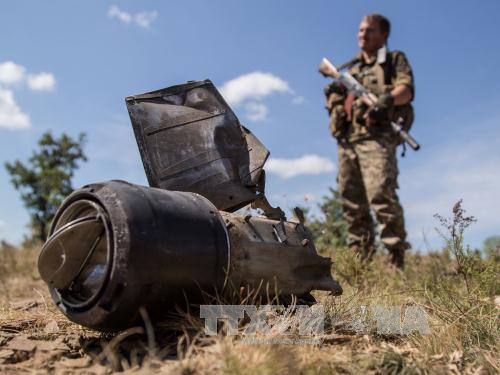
[{"x": 68, "y": 65}]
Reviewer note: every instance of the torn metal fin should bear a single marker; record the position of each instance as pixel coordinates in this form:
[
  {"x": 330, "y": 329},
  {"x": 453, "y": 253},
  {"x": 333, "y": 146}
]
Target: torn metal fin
[
  {"x": 190, "y": 140},
  {"x": 261, "y": 202}
]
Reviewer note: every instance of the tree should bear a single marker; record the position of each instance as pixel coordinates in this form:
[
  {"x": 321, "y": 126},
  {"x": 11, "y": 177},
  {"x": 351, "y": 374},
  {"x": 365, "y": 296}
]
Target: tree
[
  {"x": 491, "y": 248},
  {"x": 46, "y": 179},
  {"x": 330, "y": 231}
]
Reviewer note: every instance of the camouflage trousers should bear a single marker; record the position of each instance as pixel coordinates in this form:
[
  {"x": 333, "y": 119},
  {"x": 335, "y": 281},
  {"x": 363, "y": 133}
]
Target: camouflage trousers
[{"x": 367, "y": 179}]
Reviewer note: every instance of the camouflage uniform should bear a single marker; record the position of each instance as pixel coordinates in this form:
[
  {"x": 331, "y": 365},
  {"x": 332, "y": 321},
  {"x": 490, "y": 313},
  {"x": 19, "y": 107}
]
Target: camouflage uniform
[{"x": 367, "y": 177}]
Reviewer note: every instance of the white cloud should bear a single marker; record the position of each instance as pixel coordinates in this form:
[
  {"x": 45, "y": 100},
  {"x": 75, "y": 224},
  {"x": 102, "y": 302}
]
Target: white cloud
[
  {"x": 250, "y": 89},
  {"x": 253, "y": 86},
  {"x": 11, "y": 72},
  {"x": 256, "y": 111},
  {"x": 308, "y": 164},
  {"x": 145, "y": 19},
  {"x": 11, "y": 116},
  {"x": 115, "y": 12},
  {"x": 41, "y": 82},
  {"x": 142, "y": 19}
]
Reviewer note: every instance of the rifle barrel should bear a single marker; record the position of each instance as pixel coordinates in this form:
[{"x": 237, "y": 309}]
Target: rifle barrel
[{"x": 405, "y": 136}]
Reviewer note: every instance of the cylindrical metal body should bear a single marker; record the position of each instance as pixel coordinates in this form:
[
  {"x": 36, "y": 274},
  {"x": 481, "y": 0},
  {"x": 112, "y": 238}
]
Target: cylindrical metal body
[
  {"x": 115, "y": 247},
  {"x": 159, "y": 246}
]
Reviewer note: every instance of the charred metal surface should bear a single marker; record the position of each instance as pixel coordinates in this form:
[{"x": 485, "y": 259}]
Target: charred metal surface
[
  {"x": 61, "y": 259},
  {"x": 114, "y": 247},
  {"x": 276, "y": 257},
  {"x": 261, "y": 202},
  {"x": 160, "y": 246},
  {"x": 190, "y": 140}
]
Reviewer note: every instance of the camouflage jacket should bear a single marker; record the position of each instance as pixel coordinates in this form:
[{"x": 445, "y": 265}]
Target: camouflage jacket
[{"x": 380, "y": 75}]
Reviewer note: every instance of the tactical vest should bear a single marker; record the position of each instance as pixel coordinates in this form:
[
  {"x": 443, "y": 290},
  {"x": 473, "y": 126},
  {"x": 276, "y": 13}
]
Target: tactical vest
[{"x": 377, "y": 78}]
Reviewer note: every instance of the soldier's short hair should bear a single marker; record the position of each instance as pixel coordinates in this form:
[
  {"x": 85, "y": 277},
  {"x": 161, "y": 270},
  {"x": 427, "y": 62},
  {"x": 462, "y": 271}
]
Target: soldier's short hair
[{"x": 383, "y": 22}]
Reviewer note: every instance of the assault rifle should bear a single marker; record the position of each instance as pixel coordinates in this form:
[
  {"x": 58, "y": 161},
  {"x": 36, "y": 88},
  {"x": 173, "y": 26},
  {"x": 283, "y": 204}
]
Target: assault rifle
[{"x": 328, "y": 69}]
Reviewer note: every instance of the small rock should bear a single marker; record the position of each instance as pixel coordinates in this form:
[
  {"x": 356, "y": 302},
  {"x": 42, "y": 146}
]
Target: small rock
[{"x": 51, "y": 327}]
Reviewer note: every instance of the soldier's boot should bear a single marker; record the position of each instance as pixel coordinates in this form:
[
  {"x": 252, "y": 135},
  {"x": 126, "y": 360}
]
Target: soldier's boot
[{"x": 397, "y": 257}]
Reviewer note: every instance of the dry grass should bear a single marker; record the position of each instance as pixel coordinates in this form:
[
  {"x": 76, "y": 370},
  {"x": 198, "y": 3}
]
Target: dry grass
[{"x": 462, "y": 313}]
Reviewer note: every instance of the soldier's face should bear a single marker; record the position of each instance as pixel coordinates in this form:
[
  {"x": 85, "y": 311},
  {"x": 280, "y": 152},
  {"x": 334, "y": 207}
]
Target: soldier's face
[{"x": 370, "y": 37}]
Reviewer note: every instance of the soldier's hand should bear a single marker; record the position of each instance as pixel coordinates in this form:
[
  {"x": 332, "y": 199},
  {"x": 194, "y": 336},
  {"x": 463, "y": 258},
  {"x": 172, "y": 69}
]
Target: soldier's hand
[
  {"x": 380, "y": 111},
  {"x": 335, "y": 87}
]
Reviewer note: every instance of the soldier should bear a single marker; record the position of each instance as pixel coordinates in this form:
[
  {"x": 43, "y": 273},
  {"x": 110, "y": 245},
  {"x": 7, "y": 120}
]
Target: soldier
[{"x": 367, "y": 177}]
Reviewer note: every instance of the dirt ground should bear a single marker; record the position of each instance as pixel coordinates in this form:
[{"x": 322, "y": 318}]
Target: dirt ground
[{"x": 36, "y": 338}]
